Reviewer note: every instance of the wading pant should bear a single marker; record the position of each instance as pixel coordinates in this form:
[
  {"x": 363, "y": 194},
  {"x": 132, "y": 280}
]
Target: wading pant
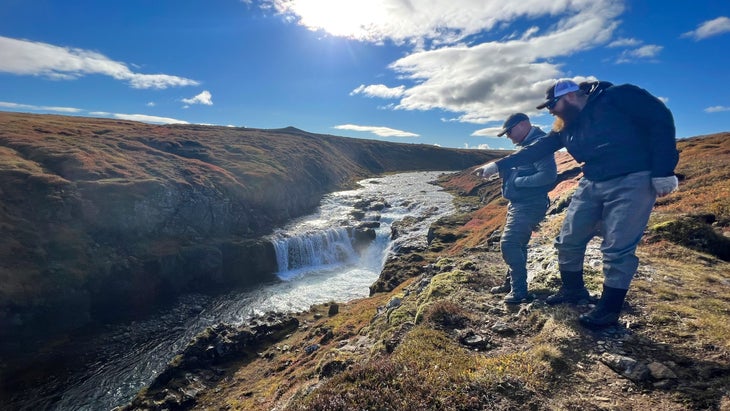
[
  {"x": 522, "y": 219},
  {"x": 620, "y": 209}
]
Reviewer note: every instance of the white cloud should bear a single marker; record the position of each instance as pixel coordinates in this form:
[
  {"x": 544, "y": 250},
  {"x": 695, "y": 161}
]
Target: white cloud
[
  {"x": 487, "y": 132},
  {"x": 18, "y": 106},
  {"x": 151, "y": 104},
  {"x": 379, "y": 131},
  {"x": 447, "y": 69},
  {"x": 138, "y": 117},
  {"x": 379, "y": 90},
  {"x": 478, "y": 147},
  {"x": 624, "y": 42},
  {"x": 664, "y": 100},
  {"x": 717, "y": 109},
  {"x": 147, "y": 119},
  {"x": 423, "y": 22},
  {"x": 29, "y": 58},
  {"x": 134, "y": 117},
  {"x": 710, "y": 28},
  {"x": 649, "y": 51},
  {"x": 202, "y": 98}
]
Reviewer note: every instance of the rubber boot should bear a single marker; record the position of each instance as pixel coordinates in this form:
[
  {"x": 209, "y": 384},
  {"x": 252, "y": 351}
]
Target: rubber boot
[
  {"x": 607, "y": 310},
  {"x": 518, "y": 294},
  {"x": 572, "y": 291},
  {"x": 504, "y": 288}
]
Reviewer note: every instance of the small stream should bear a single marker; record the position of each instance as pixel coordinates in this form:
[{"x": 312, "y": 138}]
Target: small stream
[{"x": 318, "y": 262}]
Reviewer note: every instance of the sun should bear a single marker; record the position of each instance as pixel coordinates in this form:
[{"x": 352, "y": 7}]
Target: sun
[{"x": 344, "y": 18}]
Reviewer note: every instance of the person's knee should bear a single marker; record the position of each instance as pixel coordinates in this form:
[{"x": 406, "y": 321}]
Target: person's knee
[{"x": 516, "y": 237}]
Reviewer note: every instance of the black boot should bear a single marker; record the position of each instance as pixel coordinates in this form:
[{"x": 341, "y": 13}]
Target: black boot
[
  {"x": 572, "y": 291},
  {"x": 504, "y": 288},
  {"x": 607, "y": 310}
]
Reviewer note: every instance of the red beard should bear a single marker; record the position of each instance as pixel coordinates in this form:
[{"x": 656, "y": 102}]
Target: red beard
[{"x": 569, "y": 114}]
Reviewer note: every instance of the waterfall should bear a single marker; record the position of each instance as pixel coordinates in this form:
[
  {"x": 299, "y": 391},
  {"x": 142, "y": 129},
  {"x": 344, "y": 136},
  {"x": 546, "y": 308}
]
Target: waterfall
[
  {"x": 313, "y": 249},
  {"x": 320, "y": 258}
]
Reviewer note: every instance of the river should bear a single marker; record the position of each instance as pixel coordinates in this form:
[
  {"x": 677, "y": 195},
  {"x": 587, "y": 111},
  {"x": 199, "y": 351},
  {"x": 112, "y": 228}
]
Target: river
[{"x": 317, "y": 261}]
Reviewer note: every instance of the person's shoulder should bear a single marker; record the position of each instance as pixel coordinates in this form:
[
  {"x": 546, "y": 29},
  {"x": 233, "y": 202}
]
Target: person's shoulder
[
  {"x": 625, "y": 90},
  {"x": 539, "y": 132}
]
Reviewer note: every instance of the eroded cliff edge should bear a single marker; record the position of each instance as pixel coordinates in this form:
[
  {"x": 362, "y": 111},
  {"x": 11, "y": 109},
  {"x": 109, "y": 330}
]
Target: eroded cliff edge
[{"x": 103, "y": 219}]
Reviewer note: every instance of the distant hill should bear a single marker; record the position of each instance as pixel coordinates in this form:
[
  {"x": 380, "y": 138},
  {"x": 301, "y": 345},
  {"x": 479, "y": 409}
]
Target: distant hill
[{"x": 104, "y": 219}]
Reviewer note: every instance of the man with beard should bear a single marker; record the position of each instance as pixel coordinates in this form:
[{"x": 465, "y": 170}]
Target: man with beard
[
  {"x": 526, "y": 188},
  {"x": 625, "y": 139}
]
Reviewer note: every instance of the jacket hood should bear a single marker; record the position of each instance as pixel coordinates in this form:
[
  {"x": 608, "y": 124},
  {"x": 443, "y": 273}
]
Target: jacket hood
[
  {"x": 594, "y": 88},
  {"x": 534, "y": 134}
]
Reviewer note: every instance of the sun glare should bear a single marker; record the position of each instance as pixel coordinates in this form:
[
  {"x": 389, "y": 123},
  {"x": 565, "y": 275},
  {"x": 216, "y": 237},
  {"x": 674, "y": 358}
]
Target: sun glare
[{"x": 345, "y": 18}]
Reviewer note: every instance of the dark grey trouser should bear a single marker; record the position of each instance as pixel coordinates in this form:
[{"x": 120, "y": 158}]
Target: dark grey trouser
[
  {"x": 522, "y": 219},
  {"x": 620, "y": 207}
]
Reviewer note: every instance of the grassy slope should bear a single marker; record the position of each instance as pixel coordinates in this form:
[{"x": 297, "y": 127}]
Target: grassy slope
[{"x": 407, "y": 349}]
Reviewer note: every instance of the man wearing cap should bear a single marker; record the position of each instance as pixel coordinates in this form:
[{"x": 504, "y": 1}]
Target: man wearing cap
[
  {"x": 526, "y": 187},
  {"x": 625, "y": 139}
]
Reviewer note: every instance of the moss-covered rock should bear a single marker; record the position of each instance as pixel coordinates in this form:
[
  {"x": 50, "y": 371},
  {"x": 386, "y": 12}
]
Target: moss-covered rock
[{"x": 692, "y": 231}]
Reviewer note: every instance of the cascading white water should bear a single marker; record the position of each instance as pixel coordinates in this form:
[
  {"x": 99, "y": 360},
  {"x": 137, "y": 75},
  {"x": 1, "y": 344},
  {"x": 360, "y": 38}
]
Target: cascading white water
[
  {"x": 314, "y": 248},
  {"x": 317, "y": 261}
]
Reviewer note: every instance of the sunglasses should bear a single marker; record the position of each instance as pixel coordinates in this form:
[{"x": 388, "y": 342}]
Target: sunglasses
[{"x": 551, "y": 104}]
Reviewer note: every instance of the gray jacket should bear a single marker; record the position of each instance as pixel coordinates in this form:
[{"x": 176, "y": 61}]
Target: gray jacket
[{"x": 531, "y": 181}]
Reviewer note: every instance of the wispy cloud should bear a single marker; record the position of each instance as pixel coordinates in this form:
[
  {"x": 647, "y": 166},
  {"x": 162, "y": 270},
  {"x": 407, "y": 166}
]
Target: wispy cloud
[
  {"x": 624, "y": 42},
  {"x": 479, "y": 147},
  {"x": 29, "y": 58},
  {"x": 18, "y": 106},
  {"x": 644, "y": 53},
  {"x": 379, "y": 131},
  {"x": 446, "y": 69},
  {"x": 487, "y": 132},
  {"x": 379, "y": 90},
  {"x": 144, "y": 118},
  {"x": 717, "y": 109},
  {"x": 149, "y": 119},
  {"x": 202, "y": 98},
  {"x": 710, "y": 28},
  {"x": 70, "y": 110},
  {"x": 484, "y": 146}
]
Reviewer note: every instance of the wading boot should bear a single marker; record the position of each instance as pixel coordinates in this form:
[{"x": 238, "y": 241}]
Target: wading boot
[
  {"x": 504, "y": 288},
  {"x": 518, "y": 298},
  {"x": 607, "y": 310},
  {"x": 572, "y": 291},
  {"x": 519, "y": 293}
]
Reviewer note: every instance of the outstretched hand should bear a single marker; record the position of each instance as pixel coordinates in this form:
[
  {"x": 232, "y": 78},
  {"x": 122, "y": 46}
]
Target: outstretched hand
[{"x": 487, "y": 170}]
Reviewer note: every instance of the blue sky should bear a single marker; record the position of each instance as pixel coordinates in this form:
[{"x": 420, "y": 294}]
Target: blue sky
[{"x": 443, "y": 72}]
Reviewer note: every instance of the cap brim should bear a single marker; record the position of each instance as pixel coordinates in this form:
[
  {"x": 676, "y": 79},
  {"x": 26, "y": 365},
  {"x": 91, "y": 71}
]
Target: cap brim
[
  {"x": 542, "y": 106},
  {"x": 501, "y": 133}
]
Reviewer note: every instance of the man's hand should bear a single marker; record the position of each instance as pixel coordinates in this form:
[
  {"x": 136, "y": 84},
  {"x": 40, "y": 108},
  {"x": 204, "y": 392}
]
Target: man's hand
[
  {"x": 487, "y": 170},
  {"x": 664, "y": 185}
]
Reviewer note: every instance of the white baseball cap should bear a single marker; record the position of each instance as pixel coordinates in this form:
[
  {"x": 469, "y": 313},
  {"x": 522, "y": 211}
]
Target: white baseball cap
[{"x": 557, "y": 90}]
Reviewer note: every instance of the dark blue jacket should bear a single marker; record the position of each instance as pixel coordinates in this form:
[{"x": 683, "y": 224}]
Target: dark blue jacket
[
  {"x": 622, "y": 129},
  {"x": 531, "y": 181}
]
